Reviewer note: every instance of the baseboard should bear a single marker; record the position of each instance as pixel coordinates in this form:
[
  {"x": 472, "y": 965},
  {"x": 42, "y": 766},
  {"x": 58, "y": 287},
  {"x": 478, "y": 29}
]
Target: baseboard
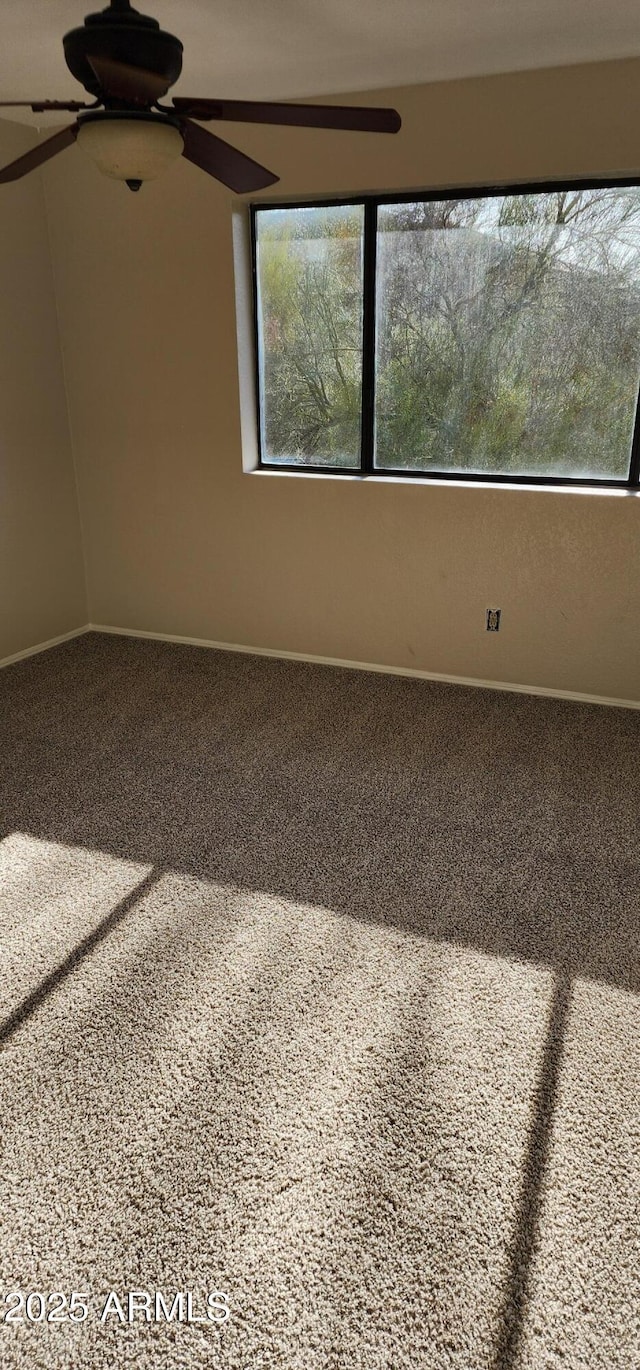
[
  {"x": 281, "y": 654},
  {"x": 369, "y": 666},
  {"x": 44, "y": 646}
]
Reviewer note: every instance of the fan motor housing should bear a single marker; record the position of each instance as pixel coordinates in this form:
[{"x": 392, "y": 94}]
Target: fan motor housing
[{"x": 122, "y": 34}]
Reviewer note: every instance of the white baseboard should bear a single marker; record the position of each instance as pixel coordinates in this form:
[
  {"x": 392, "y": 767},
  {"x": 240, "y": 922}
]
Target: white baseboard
[
  {"x": 44, "y": 646},
  {"x": 367, "y": 666}
]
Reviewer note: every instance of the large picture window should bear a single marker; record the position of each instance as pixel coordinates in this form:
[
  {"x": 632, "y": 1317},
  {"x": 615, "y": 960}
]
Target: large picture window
[{"x": 490, "y": 335}]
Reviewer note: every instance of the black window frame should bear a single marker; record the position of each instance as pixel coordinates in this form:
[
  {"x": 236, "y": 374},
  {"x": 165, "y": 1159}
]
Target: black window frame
[{"x": 370, "y": 203}]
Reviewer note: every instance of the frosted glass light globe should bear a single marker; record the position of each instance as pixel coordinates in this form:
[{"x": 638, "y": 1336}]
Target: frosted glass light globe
[{"x": 130, "y": 149}]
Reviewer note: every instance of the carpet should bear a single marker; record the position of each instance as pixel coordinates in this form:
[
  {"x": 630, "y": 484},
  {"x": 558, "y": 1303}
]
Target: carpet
[{"x": 320, "y": 1009}]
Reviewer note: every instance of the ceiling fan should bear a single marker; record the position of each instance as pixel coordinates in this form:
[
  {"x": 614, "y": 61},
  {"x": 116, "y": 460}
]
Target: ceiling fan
[{"x": 128, "y": 63}]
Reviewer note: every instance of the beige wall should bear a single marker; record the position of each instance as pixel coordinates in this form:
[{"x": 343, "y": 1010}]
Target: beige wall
[
  {"x": 180, "y": 541},
  {"x": 42, "y": 588}
]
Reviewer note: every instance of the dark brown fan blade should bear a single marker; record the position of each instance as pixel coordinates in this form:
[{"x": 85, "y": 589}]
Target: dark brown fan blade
[
  {"x": 122, "y": 82},
  {"x": 40, "y": 106},
  {"x": 350, "y": 117},
  {"x": 37, "y": 155},
  {"x": 223, "y": 161}
]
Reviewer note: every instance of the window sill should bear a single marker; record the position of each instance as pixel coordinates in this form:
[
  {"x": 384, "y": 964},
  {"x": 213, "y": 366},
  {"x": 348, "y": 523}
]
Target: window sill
[{"x": 297, "y": 473}]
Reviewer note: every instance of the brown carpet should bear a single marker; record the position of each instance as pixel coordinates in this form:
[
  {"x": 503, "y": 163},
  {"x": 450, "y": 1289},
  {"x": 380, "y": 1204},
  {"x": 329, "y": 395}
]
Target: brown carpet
[{"x": 320, "y": 989}]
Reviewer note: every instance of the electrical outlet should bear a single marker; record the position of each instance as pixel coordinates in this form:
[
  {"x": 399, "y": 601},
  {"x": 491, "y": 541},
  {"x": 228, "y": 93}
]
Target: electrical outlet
[{"x": 493, "y": 620}]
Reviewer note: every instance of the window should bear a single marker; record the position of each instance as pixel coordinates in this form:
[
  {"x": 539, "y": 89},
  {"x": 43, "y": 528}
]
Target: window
[
  {"x": 490, "y": 335},
  {"x": 310, "y": 309}
]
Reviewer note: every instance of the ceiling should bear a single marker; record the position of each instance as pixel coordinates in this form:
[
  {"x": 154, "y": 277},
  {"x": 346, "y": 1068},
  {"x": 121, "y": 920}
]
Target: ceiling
[{"x": 264, "y": 49}]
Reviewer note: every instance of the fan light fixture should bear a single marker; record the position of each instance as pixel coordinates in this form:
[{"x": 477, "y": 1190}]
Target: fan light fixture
[
  {"x": 130, "y": 147},
  {"x": 127, "y": 64}
]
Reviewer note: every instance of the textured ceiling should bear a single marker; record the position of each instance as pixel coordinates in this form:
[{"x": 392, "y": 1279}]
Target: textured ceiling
[{"x": 295, "y": 48}]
